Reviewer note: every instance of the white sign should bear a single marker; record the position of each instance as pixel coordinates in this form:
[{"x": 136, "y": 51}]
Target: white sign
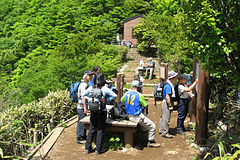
[{"x": 162, "y": 72}]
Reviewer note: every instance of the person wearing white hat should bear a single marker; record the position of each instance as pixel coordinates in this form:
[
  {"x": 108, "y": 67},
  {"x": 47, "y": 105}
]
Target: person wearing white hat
[
  {"x": 167, "y": 103},
  {"x": 135, "y": 104}
]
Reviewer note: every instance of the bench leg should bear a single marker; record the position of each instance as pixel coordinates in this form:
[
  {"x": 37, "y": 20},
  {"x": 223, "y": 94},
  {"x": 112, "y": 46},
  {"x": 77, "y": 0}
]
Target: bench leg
[{"x": 128, "y": 137}]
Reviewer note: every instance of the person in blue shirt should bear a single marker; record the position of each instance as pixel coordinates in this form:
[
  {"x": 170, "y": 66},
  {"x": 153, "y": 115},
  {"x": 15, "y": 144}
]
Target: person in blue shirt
[
  {"x": 134, "y": 105},
  {"x": 167, "y": 103},
  {"x": 97, "y": 118},
  {"x": 150, "y": 68},
  {"x": 95, "y": 70}
]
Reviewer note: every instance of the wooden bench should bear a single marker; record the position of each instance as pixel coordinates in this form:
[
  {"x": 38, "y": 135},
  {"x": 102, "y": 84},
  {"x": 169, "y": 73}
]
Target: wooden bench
[{"x": 125, "y": 126}]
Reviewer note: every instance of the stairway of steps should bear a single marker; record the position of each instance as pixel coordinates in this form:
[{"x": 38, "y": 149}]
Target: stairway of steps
[{"x": 148, "y": 84}]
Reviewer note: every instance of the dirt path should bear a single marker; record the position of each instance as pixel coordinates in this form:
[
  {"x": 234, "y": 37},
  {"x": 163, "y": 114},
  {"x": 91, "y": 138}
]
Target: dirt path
[{"x": 176, "y": 148}]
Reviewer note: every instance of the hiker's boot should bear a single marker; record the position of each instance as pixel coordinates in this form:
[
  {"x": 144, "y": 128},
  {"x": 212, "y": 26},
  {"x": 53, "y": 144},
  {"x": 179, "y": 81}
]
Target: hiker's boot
[
  {"x": 180, "y": 131},
  {"x": 153, "y": 144},
  {"x": 167, "y": 135}
]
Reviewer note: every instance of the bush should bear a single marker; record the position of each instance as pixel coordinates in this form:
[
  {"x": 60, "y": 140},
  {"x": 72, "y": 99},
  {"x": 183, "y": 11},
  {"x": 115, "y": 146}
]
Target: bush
[{"x": 18, "y": 123}]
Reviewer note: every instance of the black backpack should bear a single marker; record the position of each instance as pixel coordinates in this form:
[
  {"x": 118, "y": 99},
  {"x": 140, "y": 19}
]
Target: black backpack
[
  {"x": 158, "y": 92},
  {"x": 95, "y": 100},
  {"x": 177, "y": 95},
  {"x": 118, "y": 111}
]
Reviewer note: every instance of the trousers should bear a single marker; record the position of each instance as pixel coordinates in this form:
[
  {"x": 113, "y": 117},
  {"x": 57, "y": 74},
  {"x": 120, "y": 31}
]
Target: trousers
[
  {"x": 165, "y": 118},
  {"x": 146, "y": 123},
  {"x": 97, "y": 126},
  {"x": 182, "y": 112}
]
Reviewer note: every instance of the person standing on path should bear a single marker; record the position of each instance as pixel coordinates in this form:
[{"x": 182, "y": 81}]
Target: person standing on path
[
  {"x": 81, "y": 110},
  {"x": 96, "y": 69},
  {"x": 184, "y": 93},
  {"x": 98, "y": 118},
  {"x": 135, "y": 104},
  {"x": 167, "y": 103}
]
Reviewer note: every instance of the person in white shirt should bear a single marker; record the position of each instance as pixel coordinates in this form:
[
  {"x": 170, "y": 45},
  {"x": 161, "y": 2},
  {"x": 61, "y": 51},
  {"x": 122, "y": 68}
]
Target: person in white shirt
[
  {"x": 81, "y": 110},
  {"x": 184, "y": 93}
]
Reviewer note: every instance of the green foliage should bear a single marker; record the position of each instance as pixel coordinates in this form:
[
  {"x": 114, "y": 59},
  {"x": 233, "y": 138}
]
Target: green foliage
[
  {"x": 113, "y": 141},
  {"x": 168, "y": 36},
  {"x": 18, "y": 123},
  {"x": 213, "y": 32},
  {"x": 226, "y": 156}
]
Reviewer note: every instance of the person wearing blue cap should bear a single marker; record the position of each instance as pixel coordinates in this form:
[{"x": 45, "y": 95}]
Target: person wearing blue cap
[
  {"x": 135, "y": 104},
  {"x": 81, "y": 110}
]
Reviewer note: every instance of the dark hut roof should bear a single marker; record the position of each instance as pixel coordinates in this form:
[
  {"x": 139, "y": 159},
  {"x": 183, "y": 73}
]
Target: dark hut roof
[{"x": 131, "y": 18}]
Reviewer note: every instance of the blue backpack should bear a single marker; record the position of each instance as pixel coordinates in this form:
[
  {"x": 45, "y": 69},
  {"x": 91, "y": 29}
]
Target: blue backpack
[{"x": 74, "y": 91}]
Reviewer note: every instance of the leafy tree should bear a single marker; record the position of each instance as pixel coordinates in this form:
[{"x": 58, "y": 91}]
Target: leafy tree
[{"x": 167, "y": 34}]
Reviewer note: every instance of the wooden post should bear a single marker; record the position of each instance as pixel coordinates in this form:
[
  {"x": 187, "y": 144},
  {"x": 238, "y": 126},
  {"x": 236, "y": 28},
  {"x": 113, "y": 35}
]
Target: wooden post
[
  {"x": 49, "y": 128},
  {"x": 193, "y": 102},
  {"x": 35, "y": 137},
  {"x": 166, "y": 71},
  {"x": 119, "y": 87},
  {"x": 163, "y": 72},
  {"x": 122, "y": 83},
  {"x": 202, "y": 107}
]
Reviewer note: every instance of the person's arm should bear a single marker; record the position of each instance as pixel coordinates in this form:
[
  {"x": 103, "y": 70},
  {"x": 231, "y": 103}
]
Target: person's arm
[
  {"x": 83, "y": 90},
  {"x": 191, "y": 87},
  {"x": 110, "y": 93},
  {"x": 84, "y": 96},
  {"x": 168, "y": 99},
  {"x": 123, "y": 98},
  {"x": 143, "y": 103},
  {"x": 168, "y": 91}
]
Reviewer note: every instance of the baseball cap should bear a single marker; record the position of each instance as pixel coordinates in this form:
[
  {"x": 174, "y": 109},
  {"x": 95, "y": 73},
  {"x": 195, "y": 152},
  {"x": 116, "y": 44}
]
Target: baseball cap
[
  {"x": 135, "y": 84},
  {"x": 87, "y": 72},
  {"x": 181, "y": 76}
]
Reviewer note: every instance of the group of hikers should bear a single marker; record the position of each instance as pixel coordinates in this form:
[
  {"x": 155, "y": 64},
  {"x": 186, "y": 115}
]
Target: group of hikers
[{"x": 135, "y": 105}]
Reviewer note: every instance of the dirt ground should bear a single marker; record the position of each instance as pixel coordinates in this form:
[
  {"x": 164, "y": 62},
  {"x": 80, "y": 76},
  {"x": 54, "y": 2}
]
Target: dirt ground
[{"x": 176, "y": 148}]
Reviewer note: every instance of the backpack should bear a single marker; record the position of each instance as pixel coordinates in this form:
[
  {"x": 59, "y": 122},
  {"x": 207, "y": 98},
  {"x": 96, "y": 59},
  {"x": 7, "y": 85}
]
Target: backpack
[
  {"x": 118, "y": 111},
  {"x": 177, "y": 95},
  {"x": 95, "y": 99},
  {"x": 74, "y": 91},
  {"x": 158, "y": 92}
]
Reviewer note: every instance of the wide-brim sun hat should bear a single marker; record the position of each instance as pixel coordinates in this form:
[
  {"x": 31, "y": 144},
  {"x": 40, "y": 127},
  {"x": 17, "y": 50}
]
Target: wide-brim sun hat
[{"x": 172, "y": 74}]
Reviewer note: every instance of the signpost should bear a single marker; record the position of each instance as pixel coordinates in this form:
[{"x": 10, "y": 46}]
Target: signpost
[
  {"x": 163, "y": 72},
  {"x": 202, "y": 107}
]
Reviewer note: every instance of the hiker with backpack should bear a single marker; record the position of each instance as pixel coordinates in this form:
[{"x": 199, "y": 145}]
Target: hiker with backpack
[
  {"x": 167, "y": 103},
  {"x": 96, "y": 97},
  {"x": 184, "y": 95},
  {"x": 81, "y": 110},
  {"x": 134, "y": 106}
]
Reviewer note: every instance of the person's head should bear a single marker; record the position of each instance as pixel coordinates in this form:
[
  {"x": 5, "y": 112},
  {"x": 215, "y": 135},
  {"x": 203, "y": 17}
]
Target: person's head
[
  {"x": 172, "y": 76},
  {"x": 150, "y": 59},
  {"x": 183, "y": 79},
  {"x": 99, "y": 80},
  {"x": 135, "y": 85},
  {"x": 87, "y": 75},
  {"x": 96, "y": 69}
]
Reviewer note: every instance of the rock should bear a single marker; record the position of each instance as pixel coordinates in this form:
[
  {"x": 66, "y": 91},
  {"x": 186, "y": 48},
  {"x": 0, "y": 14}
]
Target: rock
[
  {"x": 124, "y": 150},
  {"x": 172, "y": 152}
]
